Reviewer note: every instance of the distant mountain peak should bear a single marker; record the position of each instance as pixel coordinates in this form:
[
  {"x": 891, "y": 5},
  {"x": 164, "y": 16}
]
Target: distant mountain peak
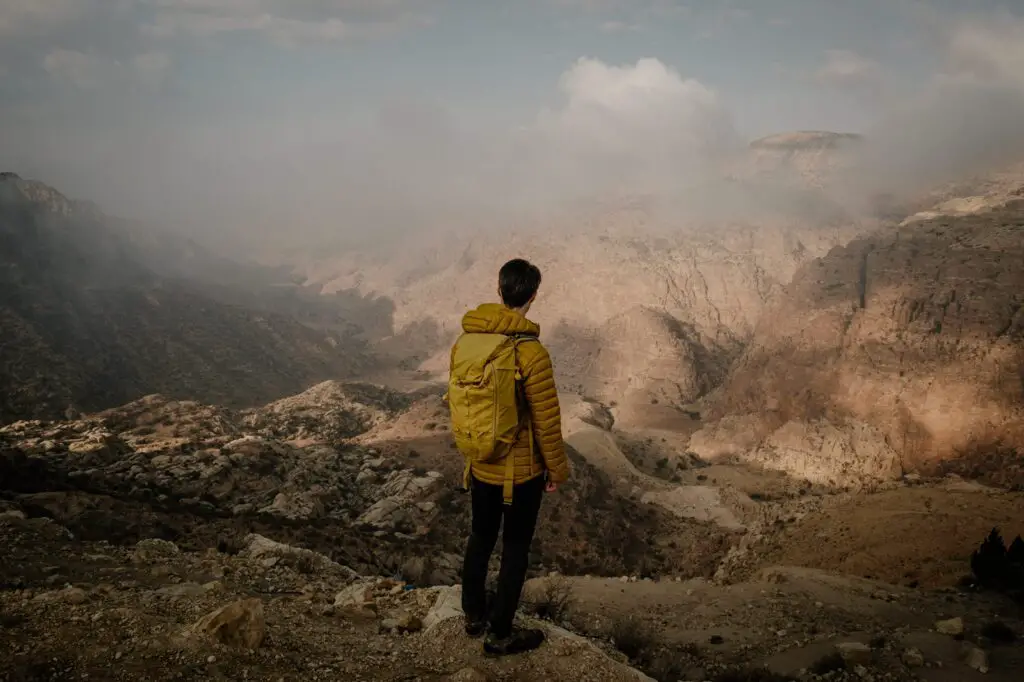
[{"x": 806, "y": 139}]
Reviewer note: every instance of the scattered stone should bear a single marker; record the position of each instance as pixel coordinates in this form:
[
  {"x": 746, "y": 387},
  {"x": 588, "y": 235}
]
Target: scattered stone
[
  {"x": 239, "y": 624},
  {"x": 71, "y": 595},
  {"x": 355, "y": 596},
  {"x": 270, "y": 553},
  {"x": 182, "y": 590},
  {"x": 447, "y": 604},
  {"x": 854, "y": 652},
  {"x": 469, "y": 675},
  {"x": 153, "y": 549},
  {"x": 953, "y": 627},
  {"x": 75, "y": 596},
  {"x": 401, "y": 624},
  {"x": 913, "y": 658},
  {"x": 976, "y": 658}
]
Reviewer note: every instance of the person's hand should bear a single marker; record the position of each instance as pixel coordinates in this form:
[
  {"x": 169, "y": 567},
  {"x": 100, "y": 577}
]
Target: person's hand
[{"x": 550, "y": 487}]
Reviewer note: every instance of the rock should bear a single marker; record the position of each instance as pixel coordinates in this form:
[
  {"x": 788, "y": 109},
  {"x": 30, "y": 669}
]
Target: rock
[
  {"x": 976, "y": 658},
  {"x": 402, "y": 623},
  {"x": 75, "y": 595},
  {"x": 448, "y": 604},
  {"x": 299, "y": 506},
  {"x": 913, "y": 658},
  {"x": 562, "y": 644},
  {"x": 182, "y": 590},
  {"x": 415, "y": 569},
  {"x": 71, "y": 595},
  {"x": 154, "y": 548},
  {"x": 262, "y": 549},
  {"x": 904, "y": 303},
  {"x": 355, "y": 596},
  {"x": 854, "y": 652},
  {"x": 239, "y": 624},
  {"x": 469, "y": 675},
  {"x": 954, "y": 627}
]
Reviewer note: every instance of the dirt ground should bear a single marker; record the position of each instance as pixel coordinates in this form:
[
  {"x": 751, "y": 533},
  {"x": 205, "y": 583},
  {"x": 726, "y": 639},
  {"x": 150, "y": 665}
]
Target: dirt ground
[{"x": 916, "y": 535}]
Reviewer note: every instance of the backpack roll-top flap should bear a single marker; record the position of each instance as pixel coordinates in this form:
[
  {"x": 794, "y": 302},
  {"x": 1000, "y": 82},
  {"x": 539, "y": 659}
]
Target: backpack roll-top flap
[{"x": 472, "y": 355}]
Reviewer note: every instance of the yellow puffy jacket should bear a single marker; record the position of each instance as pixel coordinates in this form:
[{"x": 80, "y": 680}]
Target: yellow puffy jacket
[{"x": 534, "y": 365}]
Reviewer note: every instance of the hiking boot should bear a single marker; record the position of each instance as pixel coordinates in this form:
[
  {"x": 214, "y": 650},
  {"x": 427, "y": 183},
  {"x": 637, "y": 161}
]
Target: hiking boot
[
  {"x": 475, "y": 628},
  {"x": 519, "y": 641}
]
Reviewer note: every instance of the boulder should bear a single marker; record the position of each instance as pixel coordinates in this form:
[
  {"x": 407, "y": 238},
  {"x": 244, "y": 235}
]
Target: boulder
[
  {"x": 239, "y": 624},
  {"x": 262, "y": 548}
]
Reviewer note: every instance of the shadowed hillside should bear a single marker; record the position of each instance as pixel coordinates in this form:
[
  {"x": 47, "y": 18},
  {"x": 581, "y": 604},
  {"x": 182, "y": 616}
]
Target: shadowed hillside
[{"x": 88, "y": 324}]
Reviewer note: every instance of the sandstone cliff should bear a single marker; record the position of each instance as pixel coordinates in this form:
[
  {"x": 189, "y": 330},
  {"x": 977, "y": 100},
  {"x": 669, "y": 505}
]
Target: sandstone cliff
[{"x": 910, "y": 341}]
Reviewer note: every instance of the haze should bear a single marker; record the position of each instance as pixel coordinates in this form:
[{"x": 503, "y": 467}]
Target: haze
[{"x": 319, "y": 118}]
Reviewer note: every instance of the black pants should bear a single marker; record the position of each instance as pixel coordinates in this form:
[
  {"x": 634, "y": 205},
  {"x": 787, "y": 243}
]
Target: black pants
[{"x": 520, "y": 522}]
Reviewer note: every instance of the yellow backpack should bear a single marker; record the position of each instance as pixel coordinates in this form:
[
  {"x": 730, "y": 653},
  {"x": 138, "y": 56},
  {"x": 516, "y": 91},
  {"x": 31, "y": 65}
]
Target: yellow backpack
[{"x": 484, "y": 400}]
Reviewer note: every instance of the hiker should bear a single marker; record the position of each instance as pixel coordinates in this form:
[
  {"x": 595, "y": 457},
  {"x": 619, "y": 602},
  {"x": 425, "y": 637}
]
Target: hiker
[{"x": 507, "y": 425}]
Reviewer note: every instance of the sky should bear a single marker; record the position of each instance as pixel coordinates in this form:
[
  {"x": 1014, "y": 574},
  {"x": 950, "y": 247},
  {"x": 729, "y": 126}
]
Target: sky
[{"x": 321, "y": 115}]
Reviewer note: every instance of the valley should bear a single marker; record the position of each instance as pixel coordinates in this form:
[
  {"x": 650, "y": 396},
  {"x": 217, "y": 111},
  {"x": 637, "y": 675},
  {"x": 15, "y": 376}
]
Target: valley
[{"x": 787, "y": 439}]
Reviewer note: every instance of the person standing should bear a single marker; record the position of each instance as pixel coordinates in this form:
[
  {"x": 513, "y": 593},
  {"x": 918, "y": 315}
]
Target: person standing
[{"x": 507, "y": 424}]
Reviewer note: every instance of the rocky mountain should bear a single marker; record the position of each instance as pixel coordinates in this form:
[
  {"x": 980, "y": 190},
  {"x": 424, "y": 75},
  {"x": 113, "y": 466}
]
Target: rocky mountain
[
  {"x": 900, "y": 352},
  {"x": 617, "y": 279},
  {"x": 89, "y": 322},
  {"x": 812, "y": 156}
]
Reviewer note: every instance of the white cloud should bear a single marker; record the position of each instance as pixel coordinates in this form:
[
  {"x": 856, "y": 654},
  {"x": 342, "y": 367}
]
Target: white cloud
[
  {"x": 619, "y": 27},
  {"x": 88, "y": 71},
  {"x": 991, "y": 49},
  {"x": 151, "y": 67},
  {"x": 287, "y": 22},
  {"x": 846, "y": 68},
  {"x": 967, "y": 118},
  {"x": 85, "y": 71},
  {"x": 18, "y": 17},
  {"x": 639, "y": 127}
]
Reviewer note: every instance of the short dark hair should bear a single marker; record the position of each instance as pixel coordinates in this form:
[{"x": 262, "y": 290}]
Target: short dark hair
[{"x": 518, "y": 281}]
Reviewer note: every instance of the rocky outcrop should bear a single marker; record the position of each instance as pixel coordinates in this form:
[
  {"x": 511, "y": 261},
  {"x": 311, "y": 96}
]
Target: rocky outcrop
[
  {"x": 910, "y": 342},
  {"x": 208, "y": 462},
  {"x": 644, "y": 355},
  {"x": 813, "y": 156},
  {"x": 328, "y": 412}
]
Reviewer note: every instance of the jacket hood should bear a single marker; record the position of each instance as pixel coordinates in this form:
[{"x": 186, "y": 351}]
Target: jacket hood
[{"x": 495, "y": 318}]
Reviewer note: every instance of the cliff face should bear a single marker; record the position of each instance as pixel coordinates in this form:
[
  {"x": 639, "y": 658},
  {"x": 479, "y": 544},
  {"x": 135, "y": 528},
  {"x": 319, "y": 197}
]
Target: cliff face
[
  {"x": 910, "y": 340},
  {"x": 88, "y": 324}
]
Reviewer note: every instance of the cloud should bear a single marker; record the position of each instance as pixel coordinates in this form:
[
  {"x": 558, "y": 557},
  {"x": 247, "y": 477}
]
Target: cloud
[
  {"x": 989, "y": 48},
  {"x": 151, "y": 67},
  {"x": 286, "y": 22},
  {"x": 967, "y": 118},
  {"x": 20, "y": 17},
  {"x": 846, "y": 68},
  {"x": 91, "y": 71},
  {"x": 614, "y": 26},
  {"x": 323, "y": 159},
  {"x": 638, "y": 127},
  {"x": 81, "y": 70}
]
